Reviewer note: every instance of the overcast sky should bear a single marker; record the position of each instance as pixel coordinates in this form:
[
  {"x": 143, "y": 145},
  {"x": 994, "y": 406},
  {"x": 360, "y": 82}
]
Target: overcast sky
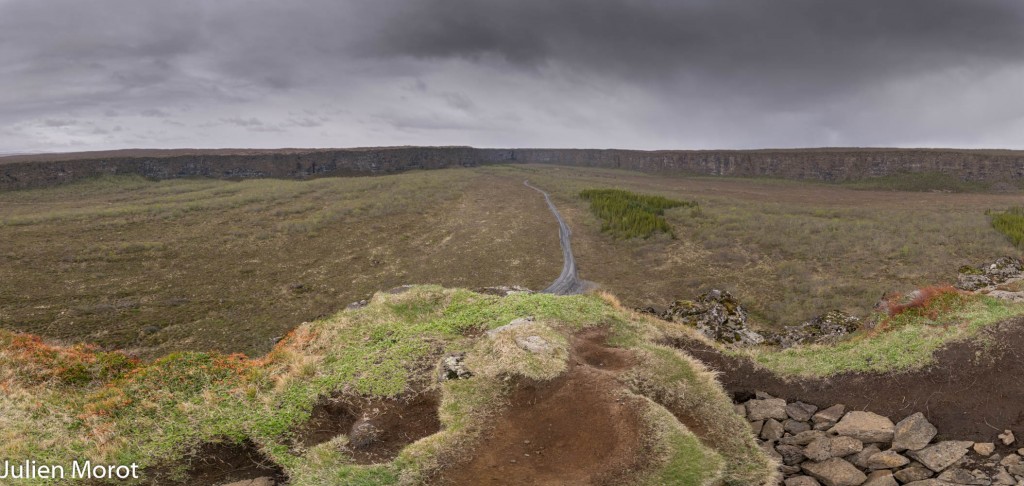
[{"x": 650, "y": 74}]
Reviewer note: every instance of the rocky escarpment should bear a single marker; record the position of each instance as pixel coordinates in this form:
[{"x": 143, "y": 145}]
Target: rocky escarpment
[{"x": 830, "y": 165}]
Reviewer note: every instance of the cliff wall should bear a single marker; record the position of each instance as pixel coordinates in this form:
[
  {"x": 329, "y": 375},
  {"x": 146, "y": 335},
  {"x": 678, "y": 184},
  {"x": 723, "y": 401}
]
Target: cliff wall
[{"x": 830, "y": 165}]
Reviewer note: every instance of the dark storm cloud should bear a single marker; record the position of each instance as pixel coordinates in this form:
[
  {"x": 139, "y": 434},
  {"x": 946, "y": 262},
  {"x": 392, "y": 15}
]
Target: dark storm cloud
[{"x": 626, "y": 73}]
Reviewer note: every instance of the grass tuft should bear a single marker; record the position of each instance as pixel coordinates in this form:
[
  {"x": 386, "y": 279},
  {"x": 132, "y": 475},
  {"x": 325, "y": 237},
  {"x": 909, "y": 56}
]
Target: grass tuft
[{"x": 1010, "y": 223}]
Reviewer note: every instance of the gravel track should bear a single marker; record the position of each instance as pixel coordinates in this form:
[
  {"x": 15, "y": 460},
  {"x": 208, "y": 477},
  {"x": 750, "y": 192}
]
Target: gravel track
[{"x": 568, "y": 283}]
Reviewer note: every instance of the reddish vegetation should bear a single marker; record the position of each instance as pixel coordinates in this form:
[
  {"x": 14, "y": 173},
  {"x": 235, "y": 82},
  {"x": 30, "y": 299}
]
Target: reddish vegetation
[{"x": 925, "y": 299}]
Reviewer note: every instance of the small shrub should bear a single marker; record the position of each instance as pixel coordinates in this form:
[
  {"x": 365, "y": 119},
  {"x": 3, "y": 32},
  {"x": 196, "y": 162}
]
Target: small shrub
[
  {"x": 626, "y": 214},
  {"x": 1010, "y": 223},
  {"x": 928, "y": 301}
]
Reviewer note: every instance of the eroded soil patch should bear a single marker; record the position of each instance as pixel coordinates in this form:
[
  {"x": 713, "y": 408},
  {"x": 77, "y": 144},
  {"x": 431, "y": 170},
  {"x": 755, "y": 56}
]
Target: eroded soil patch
[
  {"x": 377, "y": 430},
  {"x": 575, "y": 429},
  {"x": 972, "y": 391},
  {"x": 221, "y": 463}
]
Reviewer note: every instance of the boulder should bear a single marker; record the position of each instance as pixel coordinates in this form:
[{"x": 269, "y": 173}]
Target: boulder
[
  {"x": 803, "y": 438},
  {"x": 913, "y": 433},
  {"x": 363, "y": 434},
  {"x": 880, "y": 478},
  {"x": 791, "y": 454},
  {"x": 834, "y": 472},
  {"x": 828, "y": 417},
  {"x": 772, "y": 430},
  {"x": 794, "y": 427},
  {"x": 772, "y": 408},
  {"x": 800, "y": 411},
  {"x": 957, "y": 475},
  {"x": 942, "y": 455},
  {"x": 887, "y": 460},
  {"x": 1007, "y": 437},
  {"x": 801, "y": 481},
  {"x": 865, "y": 426},
  {"x": 826, "y": 447},
  {"x": 717, "y": 315},
  {"x": 912, "y": 473},
  {"x": 860, "y": 459}
]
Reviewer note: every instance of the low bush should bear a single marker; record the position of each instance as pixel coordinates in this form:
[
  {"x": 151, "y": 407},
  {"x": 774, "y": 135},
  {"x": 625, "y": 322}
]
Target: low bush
[{"x": 626, "y": 214}]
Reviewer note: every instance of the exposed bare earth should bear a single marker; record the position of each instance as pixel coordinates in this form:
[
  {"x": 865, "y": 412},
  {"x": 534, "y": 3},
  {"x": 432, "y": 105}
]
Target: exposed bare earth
[
  {"x": 971, "y": 392},
  {"x": 575, "y": 429}
]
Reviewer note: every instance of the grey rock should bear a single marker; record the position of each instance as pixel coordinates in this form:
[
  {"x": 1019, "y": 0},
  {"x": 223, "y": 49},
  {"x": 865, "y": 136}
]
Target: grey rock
[
  {"x": 887, "y": 460},
  {"x": 860, "y": 459},
  {"x": 803, "y": 438},
  {"x": 453, "y": 367},
  {"x": 957, "y": 475},
  {"x": 826, "y": 447},
  {"x": 989, "y": 274},
  {"x": 740, "y": 410},
  {"x": 912, "y": 473},
  {"x": 791, "y": 454},
  {"x": 1002, "y": 478},
  {"x": 824, "y": 329},
  {"x": 800, "y": 411},
  {"x": 828, "y": 417},
  {"x": 756, "y": 427},
  {"x": 865, "y": 426},
  {"x": 941, "y": 455},
  {"x": 801, "y": 481},
  {"x": 772, "y": 430},
  {"x": 930, "y": 482},
  {"x": 521, "y": 321},
  {"x": 913, "y": 433},
  {"x": 772, "y": 408},
  {"x": 795, "y": 427},
  {"x": 535, "y": 344},
  {"x": 788, "y": 471},
  {"x": 880, "y": 478},
  {"x": 834, "y": 472}
]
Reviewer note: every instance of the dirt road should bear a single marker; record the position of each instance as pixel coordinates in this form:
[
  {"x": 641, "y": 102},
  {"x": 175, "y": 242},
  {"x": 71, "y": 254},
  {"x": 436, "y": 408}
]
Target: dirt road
[{"x": 568, "y": 283}]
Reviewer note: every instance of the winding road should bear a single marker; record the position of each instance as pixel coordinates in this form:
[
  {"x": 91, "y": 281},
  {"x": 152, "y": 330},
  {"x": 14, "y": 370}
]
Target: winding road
[{"x": 568, "y": 283}]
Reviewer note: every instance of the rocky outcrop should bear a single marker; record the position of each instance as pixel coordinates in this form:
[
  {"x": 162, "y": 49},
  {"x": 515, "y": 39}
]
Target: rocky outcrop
[
  {"x": 987, "y": 276},
  {"x": 830, "y": 165},
  {"x": 855, "y": 448},
  {"x": 827, "y": 328},
  {"x": 717, "y": 315}
]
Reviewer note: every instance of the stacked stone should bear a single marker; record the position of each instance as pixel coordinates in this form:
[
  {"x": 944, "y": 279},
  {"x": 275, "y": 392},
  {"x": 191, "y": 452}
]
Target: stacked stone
[{"x": 834, "y": 447}]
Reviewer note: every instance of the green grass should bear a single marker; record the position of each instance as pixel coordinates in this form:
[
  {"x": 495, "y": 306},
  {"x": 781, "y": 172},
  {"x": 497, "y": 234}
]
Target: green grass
[
  {"x": 1010, "y": 223},
  {"x": 903, "y": 342},
  {"x": 629, "y": 215},
  {"x": 158, "y": 413}
]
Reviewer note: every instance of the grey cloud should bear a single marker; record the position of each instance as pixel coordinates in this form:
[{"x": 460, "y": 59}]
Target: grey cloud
[{"x": 626, "y": 73}]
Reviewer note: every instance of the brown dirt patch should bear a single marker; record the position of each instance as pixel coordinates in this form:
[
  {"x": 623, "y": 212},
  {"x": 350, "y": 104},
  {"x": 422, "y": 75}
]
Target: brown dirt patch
[
  {"x": 575, "y": 429},
  {"x": 221, "y": 463},
  {"x": 973, "y": 390},
  {"x": 377, "y": 429}
]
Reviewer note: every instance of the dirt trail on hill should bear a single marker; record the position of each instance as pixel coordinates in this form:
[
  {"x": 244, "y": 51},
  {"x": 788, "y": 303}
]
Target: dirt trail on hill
[
  {"x": 568, "y": 283},
  {"x": 576, "y": 429},
  {"x": 973, "y": 390}
]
